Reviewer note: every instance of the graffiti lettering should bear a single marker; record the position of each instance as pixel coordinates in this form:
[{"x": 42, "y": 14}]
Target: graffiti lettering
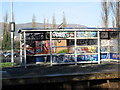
[
  {"x": 115, "y": 56},
  {"x": 62, "y": 34},
  {"x": 86, "y": 34}
]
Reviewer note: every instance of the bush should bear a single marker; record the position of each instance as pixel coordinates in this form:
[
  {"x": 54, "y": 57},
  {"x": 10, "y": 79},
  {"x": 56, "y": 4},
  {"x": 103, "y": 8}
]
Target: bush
[{"x": 63, "y": 51}]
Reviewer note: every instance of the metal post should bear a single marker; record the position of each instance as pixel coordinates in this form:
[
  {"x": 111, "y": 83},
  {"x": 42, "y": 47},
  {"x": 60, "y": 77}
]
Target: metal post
[
  {"x": 75, "y": 36},
  {"x": 50, "y": 48},
  {"x": 11, "y": 5},
  {"x": 108, "y": 54},
  {"x": 12, "y": 36},
  {"x": 12, "y": 58},
  {"x": 25, "y": 49},
  {"x": 118, "y": 45},
  {"x": 98, "y": 46}
]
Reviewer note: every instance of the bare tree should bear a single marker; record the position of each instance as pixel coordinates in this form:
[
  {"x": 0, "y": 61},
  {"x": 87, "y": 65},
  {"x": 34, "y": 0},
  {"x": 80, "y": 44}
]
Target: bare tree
[
  {"x": 105, "y": 13},
  {"x": 47, "y": 23},
  {"x": 115, "y": 8},
  {"x": 44, "y": 23},
  {"x": 53, "y": 22},
  {"x": 64, "y": 20},
  {"x": 33, "y": 21},
  {"x": 6, "y": 34},
  {"x": 117, "y": 13}
]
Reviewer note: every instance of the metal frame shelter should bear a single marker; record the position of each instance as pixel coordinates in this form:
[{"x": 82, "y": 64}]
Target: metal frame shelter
[{"x": 72, "y": 35}]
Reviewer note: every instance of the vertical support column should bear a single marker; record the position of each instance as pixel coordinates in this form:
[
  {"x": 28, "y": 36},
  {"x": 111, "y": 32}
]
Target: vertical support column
[
  {"x": 21, "y": 48},
  {"x": 50, "y": 48},
  {"x": 118, "y": 44},
  {"x": 108, "y": 54},
  {"x": 98, "y": 34},
  {"x": 75, "y": 36},
  {"x": 25, "y": 49}
]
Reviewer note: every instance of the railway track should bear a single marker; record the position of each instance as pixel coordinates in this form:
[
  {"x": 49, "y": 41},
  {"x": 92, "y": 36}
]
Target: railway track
[{"x": 73, "y": 85}]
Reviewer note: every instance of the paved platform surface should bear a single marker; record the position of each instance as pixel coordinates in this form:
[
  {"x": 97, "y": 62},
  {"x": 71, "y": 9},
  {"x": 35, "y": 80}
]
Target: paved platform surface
[{"x": 59, "y": 70}]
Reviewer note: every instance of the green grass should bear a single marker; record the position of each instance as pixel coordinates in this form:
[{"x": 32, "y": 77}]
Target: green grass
[{"x": 7, "y": 64}]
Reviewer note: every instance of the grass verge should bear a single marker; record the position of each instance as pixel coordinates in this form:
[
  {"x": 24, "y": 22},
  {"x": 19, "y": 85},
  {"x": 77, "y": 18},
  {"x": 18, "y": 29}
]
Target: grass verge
[{"x": 7, "y": 64}]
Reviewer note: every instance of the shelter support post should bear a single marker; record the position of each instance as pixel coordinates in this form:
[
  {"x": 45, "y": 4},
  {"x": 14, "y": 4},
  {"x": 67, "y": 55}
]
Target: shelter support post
[
  {"x": 25, "y": 49},
  {"x": 75, "y": 48},
  {"x": 98, "y": 47},
  {"x": 50, "y": 48},
  {"x": 21, "y": 48}
]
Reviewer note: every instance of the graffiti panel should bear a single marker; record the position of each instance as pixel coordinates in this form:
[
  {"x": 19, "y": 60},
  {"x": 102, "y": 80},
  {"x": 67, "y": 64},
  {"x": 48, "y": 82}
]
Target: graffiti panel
[
  {"x": 63, "y": 58},
  {"x": 114, "y": 42},
  {"x": 89, "y": 49},
  {"x": 114, "y": 48},
  {"x": 104, "y": 42},
  {"x": 104, "y": 49},
  {"x": 86, "y": 42},
  {"x": 104, "y": 35},
  {"x": 113, "y": 35},
  {"x": 86, "y": 34},
  {"x": 61, "y": 34},
  {"x": 87, "y": 58},
  {"x": 115, "y": 56},
  {"x": 104, "y": 56}
]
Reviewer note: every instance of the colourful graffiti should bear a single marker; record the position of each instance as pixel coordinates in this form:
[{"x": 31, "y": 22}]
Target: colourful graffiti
[
  {"x": 104, "y": 35},
  {"x": 86, "y": 34},
  {"x": 104, "y": 56},
  {"x": 115, "y": 56},
  {"x": 104, "y": 42},
  {"x": 104, "y": 49},
  {"x": 86, "y": 42},
  {"x": 87, "y": 58},
  {"x": 63, "y": 58},
  {"x": 113, "y": 34},
  {"x": 114, "y": 42},
  {"x": 87, "y": 49},
  {"x": 63, "y": 34},
  {"x": 114, "y": 48}
]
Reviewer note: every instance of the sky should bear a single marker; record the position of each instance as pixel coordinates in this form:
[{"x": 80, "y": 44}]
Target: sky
[{"x": 83, "y": 13}]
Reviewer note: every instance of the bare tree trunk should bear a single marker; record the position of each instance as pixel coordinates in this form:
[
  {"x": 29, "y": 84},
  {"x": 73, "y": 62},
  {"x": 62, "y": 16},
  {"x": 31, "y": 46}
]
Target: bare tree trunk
[
  {"x": 64, "y": 20},
  {"x": 115, "y": 8},
  {"x": 53, "y": 22},
  {"x": 6, "y": 34},
  {"x": 33, "y": 21},
  {"x": 105, "y": 13},
  {"x": 117, "y": 13},
  {"x": 44, "y": 23}
]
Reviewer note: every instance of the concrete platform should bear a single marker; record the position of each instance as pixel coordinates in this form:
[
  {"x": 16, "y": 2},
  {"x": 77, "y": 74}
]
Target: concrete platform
[{"x": 60, "y": 73}]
